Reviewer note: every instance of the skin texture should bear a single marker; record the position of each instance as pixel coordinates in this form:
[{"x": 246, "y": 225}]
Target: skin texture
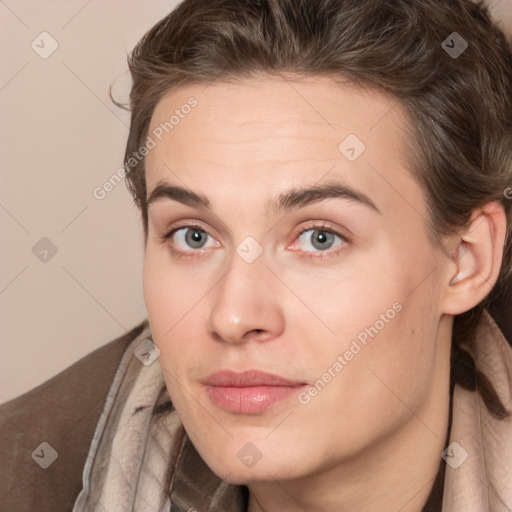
[{"x": 372, "y": 437}]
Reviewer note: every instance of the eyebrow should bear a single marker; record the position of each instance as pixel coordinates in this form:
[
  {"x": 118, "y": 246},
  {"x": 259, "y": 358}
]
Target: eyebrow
[{"x": 290, "y": 200}]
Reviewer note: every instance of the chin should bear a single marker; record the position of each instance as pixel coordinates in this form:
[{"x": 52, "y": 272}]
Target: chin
[
  {"x": 248, "y": 476},
  {"x": 246, "y": 465}
]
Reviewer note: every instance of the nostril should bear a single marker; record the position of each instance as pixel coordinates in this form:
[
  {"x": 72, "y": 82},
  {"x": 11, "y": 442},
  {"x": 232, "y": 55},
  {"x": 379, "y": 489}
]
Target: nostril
[{"x": 258, "y": 335}]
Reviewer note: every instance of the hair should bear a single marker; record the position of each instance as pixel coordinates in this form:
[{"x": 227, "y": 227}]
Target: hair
[{"x": 459, "y": 108}]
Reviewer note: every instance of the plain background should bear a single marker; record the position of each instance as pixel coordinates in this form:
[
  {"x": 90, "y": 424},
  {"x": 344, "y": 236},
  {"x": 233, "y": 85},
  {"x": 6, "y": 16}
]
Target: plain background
[{"x": 61, "y": 138}]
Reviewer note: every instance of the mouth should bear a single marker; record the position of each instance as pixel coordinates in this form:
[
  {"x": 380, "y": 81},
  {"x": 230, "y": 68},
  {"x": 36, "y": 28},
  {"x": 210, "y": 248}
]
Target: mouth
[{"x": 249, "y": 392}]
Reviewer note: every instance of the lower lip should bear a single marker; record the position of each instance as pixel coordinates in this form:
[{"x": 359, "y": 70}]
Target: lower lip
[{"x": 249, "y": 400}]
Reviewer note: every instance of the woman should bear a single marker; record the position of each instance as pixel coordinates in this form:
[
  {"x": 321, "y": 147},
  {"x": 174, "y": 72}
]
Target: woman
[{"x": 324, "y": 195}]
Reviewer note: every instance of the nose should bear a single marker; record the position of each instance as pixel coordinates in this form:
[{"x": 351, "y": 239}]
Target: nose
[{"x": 245, "y": 304}]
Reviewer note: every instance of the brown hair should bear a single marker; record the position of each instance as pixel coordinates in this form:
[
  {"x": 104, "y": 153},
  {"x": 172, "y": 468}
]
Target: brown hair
[{"x": 459, "y": 106}]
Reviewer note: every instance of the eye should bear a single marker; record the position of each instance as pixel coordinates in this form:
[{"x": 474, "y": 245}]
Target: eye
[
  {"x": 317, "y": 240},
  {"x": 190, "y": 237}
]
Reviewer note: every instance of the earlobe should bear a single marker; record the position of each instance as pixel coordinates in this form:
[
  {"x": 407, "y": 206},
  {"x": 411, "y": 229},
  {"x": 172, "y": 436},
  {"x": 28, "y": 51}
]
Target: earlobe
[{"x": 477, "y": 260}]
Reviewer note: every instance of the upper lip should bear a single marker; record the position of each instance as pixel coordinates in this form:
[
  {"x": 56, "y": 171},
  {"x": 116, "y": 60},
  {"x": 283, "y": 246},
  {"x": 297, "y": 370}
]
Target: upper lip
[{"x": 249, "y": 378}]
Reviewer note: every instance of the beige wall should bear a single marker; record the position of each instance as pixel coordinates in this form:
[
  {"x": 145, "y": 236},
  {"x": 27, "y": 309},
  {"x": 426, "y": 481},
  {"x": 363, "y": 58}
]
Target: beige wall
[
  {"x": 61, "y": 138},
  {"x": 501, "y": 10}
]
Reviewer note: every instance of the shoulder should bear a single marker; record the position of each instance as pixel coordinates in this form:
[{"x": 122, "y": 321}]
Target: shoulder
[{"x": 54, "y": 424}]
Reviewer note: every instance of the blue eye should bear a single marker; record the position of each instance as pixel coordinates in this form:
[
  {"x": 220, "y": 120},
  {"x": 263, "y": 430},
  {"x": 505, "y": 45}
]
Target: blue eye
[
  {"x": 190, "y": 237},
  {"x": 313, "y": 242},
  {"x": 320, "y": 239}
]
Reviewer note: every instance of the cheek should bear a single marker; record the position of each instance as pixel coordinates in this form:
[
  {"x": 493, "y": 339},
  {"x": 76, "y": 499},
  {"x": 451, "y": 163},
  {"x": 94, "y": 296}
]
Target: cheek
[
  {"x": 378, "y": 381},
  {"x": 167, "y": 292},
  {"x": 165, "y": 307},
  {"x": 176, "y": 315},
  {"x": 153, "y": 275},
  {"x": 383, "y": 330},
  {"x": 401, "y": 360},
  {"x": 347, "y": 302}
]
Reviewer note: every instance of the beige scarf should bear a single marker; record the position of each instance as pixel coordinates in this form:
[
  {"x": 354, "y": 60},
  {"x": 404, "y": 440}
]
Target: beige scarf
[
  {"x": 128, "y": 463},
  {"x": 142, "y": 462}
]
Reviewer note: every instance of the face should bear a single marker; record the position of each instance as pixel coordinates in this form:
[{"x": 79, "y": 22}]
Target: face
[{"x": 290, "y": 282}]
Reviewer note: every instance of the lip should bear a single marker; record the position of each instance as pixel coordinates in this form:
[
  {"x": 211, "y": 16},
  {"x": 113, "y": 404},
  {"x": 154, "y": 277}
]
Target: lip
[{"x": 248, "y": 392}]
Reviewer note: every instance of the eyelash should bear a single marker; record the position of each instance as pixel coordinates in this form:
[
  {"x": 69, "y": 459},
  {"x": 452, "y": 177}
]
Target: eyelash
[{"x": 310, "y": 255}]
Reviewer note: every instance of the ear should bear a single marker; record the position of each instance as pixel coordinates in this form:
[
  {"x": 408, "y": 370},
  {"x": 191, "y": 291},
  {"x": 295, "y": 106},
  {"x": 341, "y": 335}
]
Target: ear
[{"x": 475, "y": 259}]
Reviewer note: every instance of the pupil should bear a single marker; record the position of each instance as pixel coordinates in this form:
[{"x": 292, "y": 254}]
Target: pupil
[{"x": 322, "y": 239}]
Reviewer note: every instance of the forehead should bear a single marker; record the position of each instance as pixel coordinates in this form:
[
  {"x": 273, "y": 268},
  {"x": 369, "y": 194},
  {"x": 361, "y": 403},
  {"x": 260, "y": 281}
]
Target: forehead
[
  {"x": 241, "y": 108},
  {"x": 281, "y": 132}
]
